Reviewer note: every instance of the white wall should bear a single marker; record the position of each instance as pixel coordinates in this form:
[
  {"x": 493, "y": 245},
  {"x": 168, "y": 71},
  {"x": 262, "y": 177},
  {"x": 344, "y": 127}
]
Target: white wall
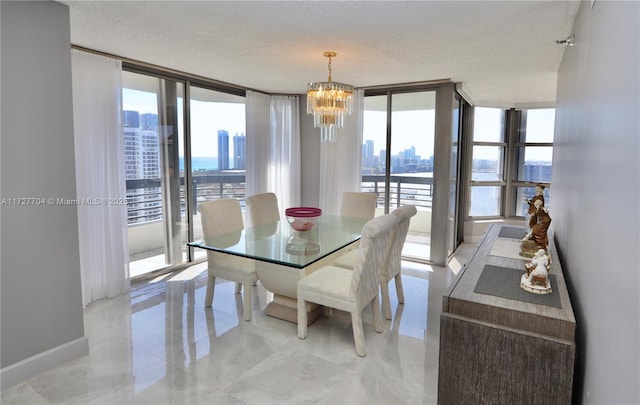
[
  {"x": 596, "y": 197},
  {"x": 42, "y": 321}
]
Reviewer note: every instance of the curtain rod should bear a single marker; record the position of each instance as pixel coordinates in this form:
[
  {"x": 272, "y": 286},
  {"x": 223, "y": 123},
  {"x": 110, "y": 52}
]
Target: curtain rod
[
  {"x": 181, "y": 74},
  {"x": 397, "y": 86},
  {"x": 171, "y": 72}
]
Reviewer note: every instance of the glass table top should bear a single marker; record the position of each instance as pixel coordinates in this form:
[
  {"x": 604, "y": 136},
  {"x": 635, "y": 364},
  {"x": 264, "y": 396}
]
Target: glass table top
[{"x": 278, "y": 243}]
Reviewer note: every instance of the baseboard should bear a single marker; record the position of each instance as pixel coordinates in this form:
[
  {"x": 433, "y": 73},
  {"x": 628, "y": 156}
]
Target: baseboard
[{"x": 44, "y": 361}]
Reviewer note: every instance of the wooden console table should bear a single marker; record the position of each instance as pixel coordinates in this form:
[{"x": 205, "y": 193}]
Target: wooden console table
[{"x": 498, "y": 343}]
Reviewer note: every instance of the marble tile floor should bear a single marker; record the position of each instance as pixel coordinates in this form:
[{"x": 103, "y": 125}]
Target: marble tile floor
[{"x": 159, "y": 345}]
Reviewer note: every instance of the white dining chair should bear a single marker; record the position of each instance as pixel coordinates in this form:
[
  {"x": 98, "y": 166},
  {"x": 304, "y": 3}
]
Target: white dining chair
[
  {"x": 393, "y": 267},
  {"x": 262, "y": 209},
  {"x": 358, "y": 204},
  {"x": 221, "y": 217},
  {"x": 351, "y": 290},
  {"x": 392, "y": 270}
]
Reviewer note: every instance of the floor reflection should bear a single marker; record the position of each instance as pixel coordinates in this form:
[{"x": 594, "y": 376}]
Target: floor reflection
[{"x": 159, "y": 345}]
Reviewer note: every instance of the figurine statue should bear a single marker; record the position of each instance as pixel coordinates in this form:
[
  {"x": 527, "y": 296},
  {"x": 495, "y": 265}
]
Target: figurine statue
[
  {"x": 536, "y": 278},
  {"x": 539, "y": 196},
  {"x": 537, "y": 237},
  {"x": 539, "y": 229}
]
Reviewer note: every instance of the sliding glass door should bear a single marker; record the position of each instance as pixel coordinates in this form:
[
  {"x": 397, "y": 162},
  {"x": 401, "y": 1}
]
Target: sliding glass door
[
  {"x": 153, "y": 139},
  {"x": 455, "y": 213},
  {"x": 412, "y": 139},
  {"x": 397, "y": 159},
  {"x": 184, "y": 144},
  {"x": 218, "y": 150}
]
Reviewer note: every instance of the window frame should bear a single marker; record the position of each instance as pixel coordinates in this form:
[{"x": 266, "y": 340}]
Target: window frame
[
  {"x": 514, "y": 144},
  {"x": 187, "y": 81},
  {"x": 502, "y": 183},
  {"x": 520, "y": 144}
]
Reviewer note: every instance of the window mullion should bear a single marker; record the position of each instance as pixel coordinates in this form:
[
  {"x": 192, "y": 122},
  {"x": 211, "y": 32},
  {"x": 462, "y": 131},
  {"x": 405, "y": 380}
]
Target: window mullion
[{"x": 511, "y": 136}]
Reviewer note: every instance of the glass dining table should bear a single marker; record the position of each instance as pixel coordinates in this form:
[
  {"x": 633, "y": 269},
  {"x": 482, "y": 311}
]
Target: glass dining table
[{"x": 284, "y": 256}]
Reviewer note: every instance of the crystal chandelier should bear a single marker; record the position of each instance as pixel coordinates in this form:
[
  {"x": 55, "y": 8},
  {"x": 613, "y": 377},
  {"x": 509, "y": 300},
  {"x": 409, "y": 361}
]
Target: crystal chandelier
[{"x": 329, "y": 102}]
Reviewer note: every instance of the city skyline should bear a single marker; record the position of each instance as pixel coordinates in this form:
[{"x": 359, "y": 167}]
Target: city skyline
[
  {"x": 204, "y": 116},
  {"x": 231, "y": 117},
  {"x": 372, "y": 157}
]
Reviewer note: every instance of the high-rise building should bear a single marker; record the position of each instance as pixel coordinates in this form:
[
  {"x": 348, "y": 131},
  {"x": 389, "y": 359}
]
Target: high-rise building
[
  {"x": 383, "y": 158},
  {"x": 239, "y": 151},
  {"x": 131, "y": 119},
  {"x": 410, "y": 153},
  {"x": 142, "y": 162},
  {"x": 141, "y": 154},
  {"x": 367, "y": 153},
  {"x": 149, "y": 122},
  {"x": 223, "y": 149}
]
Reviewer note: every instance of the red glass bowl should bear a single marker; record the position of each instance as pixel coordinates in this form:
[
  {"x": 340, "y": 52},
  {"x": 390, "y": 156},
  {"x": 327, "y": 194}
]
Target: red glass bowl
[{"x": 303, "y": 218}]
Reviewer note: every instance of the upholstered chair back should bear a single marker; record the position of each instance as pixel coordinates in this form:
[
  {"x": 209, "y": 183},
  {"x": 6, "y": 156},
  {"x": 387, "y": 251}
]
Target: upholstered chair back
[
  {"x": 377, "y": 237},
  {"x": 404, "y": 214},
  {"x": 262, "y": 209},
  {"x": 220, "y": 216},
  {"x": 358, "y": 205}
]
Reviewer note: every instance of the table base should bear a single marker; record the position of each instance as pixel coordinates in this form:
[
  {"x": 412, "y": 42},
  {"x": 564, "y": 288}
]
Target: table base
[
  {"x": 282, "y": 281},
  {"x": 286, "y": 312}
]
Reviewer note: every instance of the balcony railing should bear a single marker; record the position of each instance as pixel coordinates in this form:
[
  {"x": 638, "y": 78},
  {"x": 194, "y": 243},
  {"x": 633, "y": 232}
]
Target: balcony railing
[
  {"x": 145, "y": 195},
  {"x": 148, "y": 249},
  {"x": 403, "y": 189}
]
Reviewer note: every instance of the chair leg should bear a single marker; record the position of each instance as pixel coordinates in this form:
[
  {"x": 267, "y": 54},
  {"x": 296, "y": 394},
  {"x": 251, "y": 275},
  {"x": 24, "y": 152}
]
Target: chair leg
[
  {"x": 399, "y": 289},
  {"x": 302, "y": 318},
  {"x": 211, "y": 285},
  {"x": 358, "y": 333},
  {"x": 246, "y": 303},
  {"x": 386, "y": 301},
  {"x": 238, "y": 288},
  {"x": 377, "y": 316}
]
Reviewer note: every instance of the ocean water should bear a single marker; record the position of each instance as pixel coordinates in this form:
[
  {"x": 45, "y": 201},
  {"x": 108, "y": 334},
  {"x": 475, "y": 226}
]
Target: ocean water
[
  {"x": 485, "y": 201},
  {"x": 201, "y": 163}
]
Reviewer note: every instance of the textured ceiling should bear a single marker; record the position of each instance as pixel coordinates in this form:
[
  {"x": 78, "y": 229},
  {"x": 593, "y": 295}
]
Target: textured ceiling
[{"x": 503, "y": 52}]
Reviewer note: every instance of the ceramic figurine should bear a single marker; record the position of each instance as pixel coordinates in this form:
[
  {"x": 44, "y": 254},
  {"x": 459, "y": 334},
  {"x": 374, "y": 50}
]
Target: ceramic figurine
[
  {"x": 537, "y": 237},
  {"x": 536, "y": 278},
  {"x": 532, "y": 211}
]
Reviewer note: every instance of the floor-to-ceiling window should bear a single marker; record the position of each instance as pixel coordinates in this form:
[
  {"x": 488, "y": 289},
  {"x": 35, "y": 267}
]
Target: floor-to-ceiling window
[
  {"x": 455, "y": 213},
  {"x": 218, "y": 148},
  {"x": 397, "y": 160},
  {"x": 184, "y": 144},
  {"x": 153, "y": 135}
]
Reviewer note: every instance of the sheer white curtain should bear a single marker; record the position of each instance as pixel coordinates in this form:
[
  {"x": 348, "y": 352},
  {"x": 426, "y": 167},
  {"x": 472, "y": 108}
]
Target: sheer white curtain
[
  {"x": 100, "y": 180},
  {"x": 258, "y": 130},
  {"x": 284, "y": 161},
  {"x": 340, "y": 162},
  {"x": 273, "y": 146}
]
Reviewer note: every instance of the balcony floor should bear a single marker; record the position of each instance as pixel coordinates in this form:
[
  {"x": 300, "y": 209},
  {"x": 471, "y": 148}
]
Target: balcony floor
[{"x": 146, "y": 262}]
